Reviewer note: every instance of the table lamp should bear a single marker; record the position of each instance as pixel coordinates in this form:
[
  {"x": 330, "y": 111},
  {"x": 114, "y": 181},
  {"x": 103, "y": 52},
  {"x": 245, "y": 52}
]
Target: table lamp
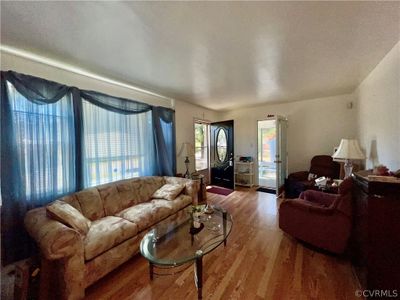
[
  {"x": 348, "y": 150},
  {"x": 186, "y": 151}
]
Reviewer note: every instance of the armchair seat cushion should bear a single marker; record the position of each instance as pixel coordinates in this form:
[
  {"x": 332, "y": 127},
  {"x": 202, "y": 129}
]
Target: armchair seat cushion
[
  {"x": 107, "y": 233},
  {"x": 143, "y": 215}
]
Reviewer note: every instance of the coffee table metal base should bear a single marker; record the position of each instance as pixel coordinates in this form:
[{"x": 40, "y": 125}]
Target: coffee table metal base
[
  {"x": 198, "y": 262},
  {"x": 198, "y": 274}
]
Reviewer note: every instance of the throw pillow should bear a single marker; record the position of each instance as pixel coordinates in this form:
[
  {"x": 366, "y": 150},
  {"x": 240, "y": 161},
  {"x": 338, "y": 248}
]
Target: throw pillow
[
  {"x": 168, "y": 191},
  {"x": 68, "y": 215}
]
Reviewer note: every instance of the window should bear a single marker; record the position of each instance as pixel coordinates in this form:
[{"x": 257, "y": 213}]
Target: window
[
  {"x": 116, "y": 146},
  {"x": 45, "y": 145},
  {"x": 201, "y": 131},
  {"x": 221, "y": 145}
]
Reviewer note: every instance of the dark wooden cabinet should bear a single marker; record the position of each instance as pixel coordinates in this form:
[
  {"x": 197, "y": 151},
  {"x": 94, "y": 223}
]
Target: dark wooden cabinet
[{"x": 375, "y": 241}]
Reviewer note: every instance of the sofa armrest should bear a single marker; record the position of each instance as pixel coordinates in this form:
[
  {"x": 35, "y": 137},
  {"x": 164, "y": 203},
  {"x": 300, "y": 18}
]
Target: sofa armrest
[
  {"x": 299, "y": 176},
  {"x": 54, "y": 239}
]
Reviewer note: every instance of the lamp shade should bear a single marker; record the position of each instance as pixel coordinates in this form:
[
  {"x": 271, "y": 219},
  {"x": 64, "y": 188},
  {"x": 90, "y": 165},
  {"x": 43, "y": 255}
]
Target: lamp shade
[
  {"x": 349, "y": 149},
  {"x": 186, "y": 150}
]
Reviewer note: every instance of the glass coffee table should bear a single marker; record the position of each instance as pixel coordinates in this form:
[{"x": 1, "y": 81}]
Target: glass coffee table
[{"x": 176, "y": 243}]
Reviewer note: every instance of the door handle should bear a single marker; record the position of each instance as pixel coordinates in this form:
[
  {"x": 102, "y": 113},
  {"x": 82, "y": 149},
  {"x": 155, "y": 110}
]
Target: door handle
[{"x": 277, "y": 161}]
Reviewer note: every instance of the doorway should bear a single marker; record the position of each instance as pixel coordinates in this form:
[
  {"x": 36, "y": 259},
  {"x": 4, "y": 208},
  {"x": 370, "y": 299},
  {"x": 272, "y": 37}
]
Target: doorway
[
  {"x": 272, "y": 153},
  {"x": 266, "y": 153},
  {"x": 221, "y": 154}
]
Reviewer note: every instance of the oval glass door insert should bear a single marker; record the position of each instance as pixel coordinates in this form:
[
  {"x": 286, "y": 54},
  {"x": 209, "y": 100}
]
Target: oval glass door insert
[{"x": 221, "y": 144}]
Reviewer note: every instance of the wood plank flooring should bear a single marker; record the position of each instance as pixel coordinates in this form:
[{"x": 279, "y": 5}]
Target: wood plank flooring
[{"x": 259, "y": 262}]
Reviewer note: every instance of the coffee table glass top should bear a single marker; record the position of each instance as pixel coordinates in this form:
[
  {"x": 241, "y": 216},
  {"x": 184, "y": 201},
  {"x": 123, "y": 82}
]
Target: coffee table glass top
[{"x": 171, "y": 242}]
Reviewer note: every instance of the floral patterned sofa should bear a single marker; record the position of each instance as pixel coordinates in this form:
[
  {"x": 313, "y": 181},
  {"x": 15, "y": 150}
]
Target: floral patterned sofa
[{"x": 107, "y": 225}]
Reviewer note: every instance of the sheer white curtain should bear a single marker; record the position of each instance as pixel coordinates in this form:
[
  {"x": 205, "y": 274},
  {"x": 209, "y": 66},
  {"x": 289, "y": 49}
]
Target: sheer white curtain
[
  {"x": 38, "y": 157},
  {"x": 116, "y": 146},
  {"x": 45, "y": 146}
]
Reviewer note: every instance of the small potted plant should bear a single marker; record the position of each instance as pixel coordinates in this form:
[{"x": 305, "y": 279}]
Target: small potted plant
[{"x": 196, "y": 212}]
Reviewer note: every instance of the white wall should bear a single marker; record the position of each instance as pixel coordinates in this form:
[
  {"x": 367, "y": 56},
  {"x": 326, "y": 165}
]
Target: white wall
[
  {"x": 315, "y": 127},
  {"x": 185, "y": 115},
  {"x": 378, "y": 112}
]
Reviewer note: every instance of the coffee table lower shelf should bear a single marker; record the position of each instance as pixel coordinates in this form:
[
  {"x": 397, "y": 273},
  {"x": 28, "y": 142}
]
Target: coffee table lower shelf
[{"x": 198, "y": 272}]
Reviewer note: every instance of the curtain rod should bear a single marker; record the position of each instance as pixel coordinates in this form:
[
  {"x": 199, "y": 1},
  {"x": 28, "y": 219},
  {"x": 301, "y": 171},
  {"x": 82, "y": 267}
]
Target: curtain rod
[{"x": 77, "y": 70}]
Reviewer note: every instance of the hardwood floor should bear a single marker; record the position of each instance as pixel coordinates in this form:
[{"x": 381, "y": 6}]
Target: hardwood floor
[{"x": 259, "y": 262}]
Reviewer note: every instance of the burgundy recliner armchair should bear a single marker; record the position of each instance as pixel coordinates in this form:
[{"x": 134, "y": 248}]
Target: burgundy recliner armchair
[
  {"x": 321, "y": 165},
  {"x": 320, "y": 219}
]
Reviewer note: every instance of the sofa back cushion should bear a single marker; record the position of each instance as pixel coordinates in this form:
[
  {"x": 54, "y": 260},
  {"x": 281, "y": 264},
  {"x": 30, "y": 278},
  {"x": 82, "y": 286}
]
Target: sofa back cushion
[
  {"x": 91, "y": 203},
  {"x": 108, "y": 199},
  {"x": 119, "y": 195},
  {"x": 111, "y": 199},
  {"x": 127, "y": 195},
  {"x": 71, "y": 200},
  {"x": 146, "y": 186}
]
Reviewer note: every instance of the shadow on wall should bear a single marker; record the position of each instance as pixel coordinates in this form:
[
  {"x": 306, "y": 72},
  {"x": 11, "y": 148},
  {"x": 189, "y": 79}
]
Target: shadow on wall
[{"x": 373, "y": 153}]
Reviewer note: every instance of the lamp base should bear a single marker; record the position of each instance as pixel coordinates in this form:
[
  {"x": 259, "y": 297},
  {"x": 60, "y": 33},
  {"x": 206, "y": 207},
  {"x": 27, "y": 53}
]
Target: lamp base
[
  {"x": 187, "y": 162},
  {"x": 348, "y": 168},
  {"x": 187, "y": 174}
]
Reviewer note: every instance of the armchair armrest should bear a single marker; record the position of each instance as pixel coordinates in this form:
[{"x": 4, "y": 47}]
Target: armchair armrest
[
  {"x": 299, "y": 176},
  {"x": 53, "y": 238},
  {"x": 321, "y": 198},
  {"x": 307, "y": 206}
]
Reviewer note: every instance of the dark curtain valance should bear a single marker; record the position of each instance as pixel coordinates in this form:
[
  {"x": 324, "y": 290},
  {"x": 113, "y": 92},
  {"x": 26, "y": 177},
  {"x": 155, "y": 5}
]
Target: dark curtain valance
[
  {"x": 37, "y": 90},
  {"x": 115, "y": 104},
  {"x": 165, "y": 114}
]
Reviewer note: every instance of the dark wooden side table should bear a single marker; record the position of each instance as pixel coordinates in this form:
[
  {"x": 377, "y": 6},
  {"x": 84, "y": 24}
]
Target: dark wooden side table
[
  {"x": 375, "y": 241},
  {"x": 202, "y": 193}
]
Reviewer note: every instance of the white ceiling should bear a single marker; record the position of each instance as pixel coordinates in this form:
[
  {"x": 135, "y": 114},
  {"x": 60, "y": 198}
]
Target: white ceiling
[{"x": 219, "y": 55}]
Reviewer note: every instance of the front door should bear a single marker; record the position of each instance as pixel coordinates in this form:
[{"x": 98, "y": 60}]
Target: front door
[{"x": 221, "y": 156}]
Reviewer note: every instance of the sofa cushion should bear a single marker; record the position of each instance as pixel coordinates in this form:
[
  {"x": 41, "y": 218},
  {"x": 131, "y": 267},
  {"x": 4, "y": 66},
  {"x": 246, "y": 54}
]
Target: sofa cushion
[
  {"x": 68, "y": 215},
  {"x": 182, "y": 201},
  {"x": 166, "y": 208},
  {"x": 91, "y": 203},
  {"x": 71, "y": 200},
  {"x": 146, "y": 186},
  {"x": 143, "y": 215},
  {"x": 168, "y": 191},
  {"x": 127, "y": 193},
  {"x": 111, "y": 199},
  {"x": 107, "y": 233}
]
